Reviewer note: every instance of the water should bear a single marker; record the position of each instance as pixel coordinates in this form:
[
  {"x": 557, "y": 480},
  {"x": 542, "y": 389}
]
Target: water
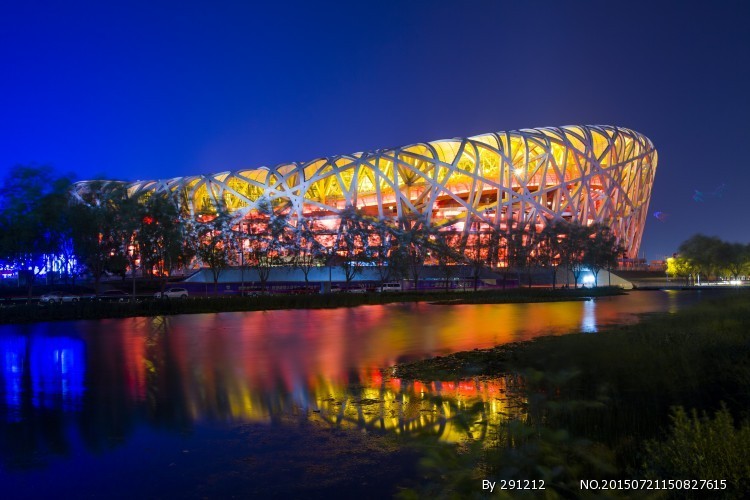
[{"x": 154, "y": 406}]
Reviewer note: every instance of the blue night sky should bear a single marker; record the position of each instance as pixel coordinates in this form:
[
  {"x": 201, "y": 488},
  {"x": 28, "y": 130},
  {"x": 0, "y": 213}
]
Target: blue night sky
[{"x": 141, "y": 90}]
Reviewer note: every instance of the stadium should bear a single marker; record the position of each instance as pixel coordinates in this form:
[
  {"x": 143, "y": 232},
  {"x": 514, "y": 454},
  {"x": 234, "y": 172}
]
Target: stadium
[{"x": 491, "y": 182}]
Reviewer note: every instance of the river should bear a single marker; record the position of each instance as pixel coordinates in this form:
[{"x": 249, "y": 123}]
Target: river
[{"x": 96, "y": 406}]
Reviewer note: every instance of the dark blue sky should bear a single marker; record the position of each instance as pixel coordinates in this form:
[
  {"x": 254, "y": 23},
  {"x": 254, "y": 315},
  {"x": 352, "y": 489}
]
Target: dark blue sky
[{"x": 136, "y": 91}]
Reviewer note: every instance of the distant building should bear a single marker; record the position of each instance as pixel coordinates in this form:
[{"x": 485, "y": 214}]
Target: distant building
[
  {"x": 657, "y": 265},
  {"x": 495, "y": 181}
]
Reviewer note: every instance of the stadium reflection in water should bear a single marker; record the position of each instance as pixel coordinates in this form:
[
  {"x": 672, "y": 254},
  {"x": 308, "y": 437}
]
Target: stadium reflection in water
[{"x": 88, "y": 381}]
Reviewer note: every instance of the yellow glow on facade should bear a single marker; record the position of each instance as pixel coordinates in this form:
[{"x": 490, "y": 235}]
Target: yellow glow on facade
[{"x": 530, "y": 176}]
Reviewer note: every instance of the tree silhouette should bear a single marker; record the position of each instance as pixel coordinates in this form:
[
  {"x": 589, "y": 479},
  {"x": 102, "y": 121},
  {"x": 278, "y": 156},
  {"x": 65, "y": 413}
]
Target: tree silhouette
[
  {"x": 216, "y": 242},
  {"x": 352, "y": 243},
  {"x": 270, "y": 239},
  {"x": 32, "y": 223},
  {"x": 601, "y": 250}
]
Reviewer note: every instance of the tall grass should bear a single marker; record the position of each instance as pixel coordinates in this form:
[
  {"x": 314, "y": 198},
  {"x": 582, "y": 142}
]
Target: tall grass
[
  {"x": 608, "y": 394},
  {"x": 698, "y": 446}
]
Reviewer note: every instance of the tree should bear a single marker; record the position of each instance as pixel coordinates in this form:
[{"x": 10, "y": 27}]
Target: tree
[
  {"x": 305, "y": 249},
  {"x": 710, "y": 256},
  {"x": 68, "y": 259},
  {"x": 54, "y": 214},
  {"x": 413, "y": 245},
  {"x": 601, "y": 250},
  {"x": 117, "y": 264},
  {"x": 572, "y": 247},
  {"x": 680, "y": 267},
  {"x": 353, "y": 243},
  {"x": 216, "y": 242},
  {"x": 703, "y": 254},
  {"x": 383, "y": 251},
  {"x": 32, "y": 228},
  {"x": 736, "y": 258},
  {"x": 269, "y": 240},
  {"x": 550, "y": 253},
  {"x": 90, "y": 215},
  {"x": 478, "y": 251},
  {"x": 123, "y": 229},
  {"x": 188, "y": 248},
  {"x": 518, "y": 246},
  {"x": 445, "y": 246},
  {"x": 161, "y": 235}
]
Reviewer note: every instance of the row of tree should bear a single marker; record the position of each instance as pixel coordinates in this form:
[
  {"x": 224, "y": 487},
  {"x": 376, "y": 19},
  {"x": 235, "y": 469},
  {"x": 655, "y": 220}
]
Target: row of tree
[
  {"x": 708, "y": 257},
  {"x": 107, "y": 229},
  {"x": 33, "y": 221}
]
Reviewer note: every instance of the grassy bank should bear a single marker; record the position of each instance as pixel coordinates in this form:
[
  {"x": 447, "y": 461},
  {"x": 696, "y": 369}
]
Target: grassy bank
[
  {"x": 619, "y": 404},
  {"x": 26, "y": 313}
]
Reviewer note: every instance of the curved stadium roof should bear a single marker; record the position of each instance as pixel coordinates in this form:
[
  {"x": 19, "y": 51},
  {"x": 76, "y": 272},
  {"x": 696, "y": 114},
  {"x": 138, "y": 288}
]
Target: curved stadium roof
[{"x": 586, "y": 173}]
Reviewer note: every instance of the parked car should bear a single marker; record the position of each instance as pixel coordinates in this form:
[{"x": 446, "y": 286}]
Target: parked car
[
  {"x": 172, "y": 293},
  {"x": 58, "y": 297},
  {"x": 358, "y": 289},
  {"x": 389, "y": 287},
  {"x": 113, "y": 296}
]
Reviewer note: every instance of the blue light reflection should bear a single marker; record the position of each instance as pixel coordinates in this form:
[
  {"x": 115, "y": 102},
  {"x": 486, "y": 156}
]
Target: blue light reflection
[
  {"x": 588, "y": 318},
  {"x": 47, "y": 371}
]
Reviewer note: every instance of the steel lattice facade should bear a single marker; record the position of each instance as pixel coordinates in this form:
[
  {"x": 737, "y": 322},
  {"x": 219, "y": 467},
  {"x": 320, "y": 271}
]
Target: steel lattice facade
[{"x": 491, "y": 181}]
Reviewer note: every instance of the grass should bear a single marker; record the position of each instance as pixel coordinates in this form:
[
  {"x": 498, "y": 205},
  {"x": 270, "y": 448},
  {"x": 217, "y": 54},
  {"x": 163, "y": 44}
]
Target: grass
[
  {"x": 609, "y": 394},
  {"x": 698, "y": 446},
  {"x": 86, "y": 309}
]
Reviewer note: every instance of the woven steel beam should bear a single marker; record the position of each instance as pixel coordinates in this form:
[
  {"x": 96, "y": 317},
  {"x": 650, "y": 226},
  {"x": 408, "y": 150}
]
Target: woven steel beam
[{"x": 494, "y": 181}]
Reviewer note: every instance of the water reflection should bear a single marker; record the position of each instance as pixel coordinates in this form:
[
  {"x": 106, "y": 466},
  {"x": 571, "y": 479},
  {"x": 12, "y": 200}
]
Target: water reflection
[
  {"x": 94, "y": 383},
  {"x": 44, "y": 372},
  {"x": 588, "y": 318},
  {"x": 673, "y": 300}
]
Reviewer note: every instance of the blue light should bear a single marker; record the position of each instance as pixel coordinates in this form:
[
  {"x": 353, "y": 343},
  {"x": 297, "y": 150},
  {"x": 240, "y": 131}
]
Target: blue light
[
  {"x": 54, "y": 365},
  {"x": 14, "y": 353},
  {"x": 57, "y": 371}
]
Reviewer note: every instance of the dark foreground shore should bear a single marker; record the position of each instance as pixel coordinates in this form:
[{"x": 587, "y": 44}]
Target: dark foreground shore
[{"x": 664, "y": 399}]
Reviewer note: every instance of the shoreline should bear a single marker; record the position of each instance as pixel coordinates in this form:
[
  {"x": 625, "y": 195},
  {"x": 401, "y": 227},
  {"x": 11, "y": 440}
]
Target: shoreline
[
  {"x": 91, "y": 310},
  {"x": 503, "y": 359},
  {"x": 647, "y": 399}
]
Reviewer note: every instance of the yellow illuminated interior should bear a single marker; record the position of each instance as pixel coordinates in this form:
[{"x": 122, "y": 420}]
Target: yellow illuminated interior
[{"x": 530, "y": 176}]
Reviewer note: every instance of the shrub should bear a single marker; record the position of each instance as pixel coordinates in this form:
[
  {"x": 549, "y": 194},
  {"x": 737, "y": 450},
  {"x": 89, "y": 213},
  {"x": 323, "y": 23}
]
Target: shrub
[{"x": 700, "y": 447}]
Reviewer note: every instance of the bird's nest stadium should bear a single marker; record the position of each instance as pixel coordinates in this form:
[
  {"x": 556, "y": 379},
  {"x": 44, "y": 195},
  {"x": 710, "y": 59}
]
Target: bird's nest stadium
[{"x": 495, "y": 181}]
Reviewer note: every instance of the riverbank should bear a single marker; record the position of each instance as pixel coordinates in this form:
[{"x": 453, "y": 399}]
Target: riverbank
[
  {"x": 618, "y": 404},
  {"x": 30, "y": 313}
]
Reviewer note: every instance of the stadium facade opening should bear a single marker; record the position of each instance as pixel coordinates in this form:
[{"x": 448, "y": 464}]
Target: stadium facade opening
[{"x": 495, "y": 181}]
